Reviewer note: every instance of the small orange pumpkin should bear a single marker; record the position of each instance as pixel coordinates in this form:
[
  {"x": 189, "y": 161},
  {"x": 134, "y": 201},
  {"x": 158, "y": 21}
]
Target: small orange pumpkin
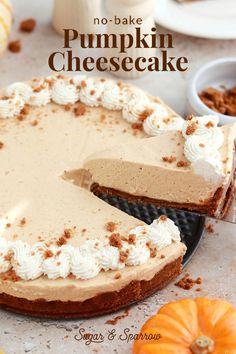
[{"x": 200, "y": 326}]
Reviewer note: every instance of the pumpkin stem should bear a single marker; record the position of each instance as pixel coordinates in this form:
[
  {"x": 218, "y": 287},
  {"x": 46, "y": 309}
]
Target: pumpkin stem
[{"x": 202, "y": 345}]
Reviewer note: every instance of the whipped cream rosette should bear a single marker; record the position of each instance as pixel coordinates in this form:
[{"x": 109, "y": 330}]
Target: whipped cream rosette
[
  {"x": 85, "y": 262},
  {"x": 160, "y": 121},
  {"x": 136, "y": 103},
  {"x": 203, "y": 139},
  {"x": 136, "y": 106}
]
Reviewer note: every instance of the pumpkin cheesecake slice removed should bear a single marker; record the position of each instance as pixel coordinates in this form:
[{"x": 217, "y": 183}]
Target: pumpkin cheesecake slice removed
[{"x": 156, "y": 170}]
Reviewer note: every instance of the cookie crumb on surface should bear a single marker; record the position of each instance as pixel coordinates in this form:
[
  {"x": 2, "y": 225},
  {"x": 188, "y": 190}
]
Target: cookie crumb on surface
[
  {"x": 1, "y": 145},
  {"x": 28, "y": 25},
  {"x": 15, "y": 46},
  {"x": 187, "y": 282},
  {"x": 79, "y": 110},
  {"x": 210, "y": 228}
]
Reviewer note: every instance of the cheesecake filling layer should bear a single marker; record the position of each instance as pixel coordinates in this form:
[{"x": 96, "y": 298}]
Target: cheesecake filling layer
[{"x": 157, "y": 168}]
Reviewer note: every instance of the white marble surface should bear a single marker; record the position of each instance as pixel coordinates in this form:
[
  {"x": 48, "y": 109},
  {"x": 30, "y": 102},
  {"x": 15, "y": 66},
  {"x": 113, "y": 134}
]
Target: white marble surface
[{"x": 215, "y": 258}]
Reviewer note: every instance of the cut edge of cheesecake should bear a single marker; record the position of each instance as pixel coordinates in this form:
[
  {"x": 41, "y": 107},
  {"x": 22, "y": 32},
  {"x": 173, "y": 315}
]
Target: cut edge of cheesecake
[{"x": 145, "y": 172}]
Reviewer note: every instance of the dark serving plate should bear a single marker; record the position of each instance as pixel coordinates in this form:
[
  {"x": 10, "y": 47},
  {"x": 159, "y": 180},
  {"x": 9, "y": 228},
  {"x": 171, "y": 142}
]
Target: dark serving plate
[{"x": 191, "y": 225}]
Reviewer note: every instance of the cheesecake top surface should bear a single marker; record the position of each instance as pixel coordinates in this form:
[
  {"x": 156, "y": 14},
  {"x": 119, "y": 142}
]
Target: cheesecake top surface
[{"x": 48, "y": 217}]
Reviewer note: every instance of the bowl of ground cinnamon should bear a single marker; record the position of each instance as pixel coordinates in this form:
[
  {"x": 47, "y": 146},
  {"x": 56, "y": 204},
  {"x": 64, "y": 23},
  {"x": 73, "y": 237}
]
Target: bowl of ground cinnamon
[{"x": 212, "y": 90}]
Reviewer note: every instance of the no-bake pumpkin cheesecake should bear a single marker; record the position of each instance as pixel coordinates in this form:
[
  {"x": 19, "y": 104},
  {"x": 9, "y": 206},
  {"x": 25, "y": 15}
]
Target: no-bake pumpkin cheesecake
[
  {"x": 191, "y": 169},
  {"x": 63, "y": 251}
]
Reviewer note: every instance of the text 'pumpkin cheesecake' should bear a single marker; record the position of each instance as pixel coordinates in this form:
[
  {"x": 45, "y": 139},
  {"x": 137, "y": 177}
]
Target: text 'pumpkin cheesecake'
[
  {"x": 191, "y": 169},
  {"x": 63, "y": 251}
]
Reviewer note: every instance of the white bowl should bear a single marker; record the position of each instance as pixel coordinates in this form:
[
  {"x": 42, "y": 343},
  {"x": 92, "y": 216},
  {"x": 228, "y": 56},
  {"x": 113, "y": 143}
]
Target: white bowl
[{"x": 214, "y": 74}]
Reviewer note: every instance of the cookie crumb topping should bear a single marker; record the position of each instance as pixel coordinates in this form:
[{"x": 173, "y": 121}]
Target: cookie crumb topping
[
  {"x": 22, "y": 222},
  {"x": 68, "y": 233},
  {"x": 169, "y": 159},
  {"x": 146, "y": 113},
  {"x": 210, "y": 228},
  {"x": 210, "y": 125},
  {"x": 34, "y": 123},
  {"x": 191, "y": 128},
  {"x": 137, "y": 126},
  {"x": 110, "y": 226},
  {"x": 115, "y": 240},
  {"x": 153, "y": 252},
  {"x": 79, "y": 110},
  {"x": 48, "y": 254},
  {"x": 163, "y": 217},
  {"x": 61, "y": 241},
  {"x": 131, "y": 239}
]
